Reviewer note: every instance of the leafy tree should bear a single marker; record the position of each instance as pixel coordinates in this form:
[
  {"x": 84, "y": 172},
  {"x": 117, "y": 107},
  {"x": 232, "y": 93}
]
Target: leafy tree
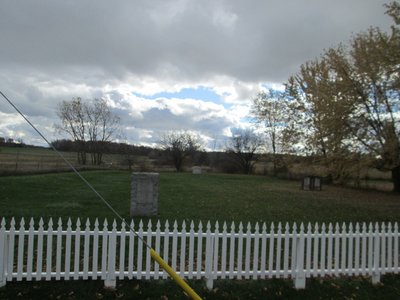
[
  {"x": 91, "y": 125},
  {"x": 316, "y": 116},
  {"x": 243, "y": 148},
  {"x": 349, "y": 101},
  {"x": 179, "y": 146}
]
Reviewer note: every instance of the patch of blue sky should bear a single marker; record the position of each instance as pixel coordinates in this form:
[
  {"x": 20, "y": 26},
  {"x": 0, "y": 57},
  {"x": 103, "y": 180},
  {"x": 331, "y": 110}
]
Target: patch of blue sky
[
  {"x": 199, "y": 93},
  {"x": 273, "y": 86}
]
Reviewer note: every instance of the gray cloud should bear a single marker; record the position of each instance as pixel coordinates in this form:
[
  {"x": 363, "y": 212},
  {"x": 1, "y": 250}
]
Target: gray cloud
[{"x": 261, "y": 40}]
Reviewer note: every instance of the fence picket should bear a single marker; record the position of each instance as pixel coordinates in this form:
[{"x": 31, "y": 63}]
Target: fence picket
[
  {"x": 232, "y": 251},
  {"x": 357, "y": 251},
  {"x": 390, "y": 247},
  {"x": 278, "y": 251},
  {"x": 49, "y": 249},
  {"x": 364, "y": 250},
  {"x": 139, "y": 261},
  {"x": 286, "y": 252},
  {"x": 183, "y": 251},
  {"x": 59, "y": 249},
  {"x": 263, "y": 250},
  {"x": 191, "y": 251},
  {"x": 383, "y": 249},
  {"x": 166, "y": 246},
  {"x": 240, "y": 252},
  {"x": 370, "y": 248},
  {"x": 149, "y": 244},
  {"x": 293, "y": 251},
  {"x": 174, "y": 245},
  {"x": 95, "y": 253},
  {"x": 157, "y": 248},
  {"x": 323, "y": 250},
  {"x": 308, "y": 251},
  {"x": 3, "y": 252},
  {"x": 376, "y": 267},
  {"x": 110, "y": 280},
  {"x": 223, "y": 251},
  {"x": 209, "y": 257},
  {"x": 77, "y": 240},
  {"x": 29, "y": 262},
  {"x": 316, "y": 250},
  {"x": 248, "y": 252},
  {"x": 86, "y": 245},
  {"x": 396, "y": 248},
  {"x": 271, "y": 250},
  {"x": 39, "y": 254},
  {"x": 122, "y": 239},
  {"x": 299, "y": 276},
  {"x": 68, "y": 252},
  {"x": 350, "y": 251},
  {"x": 104, "y": 250},
  {"x": 215, "y": 251},
  {"x": 11, "y": 244},
  {"x": 255, "y": 251},
  {"x": 344, "y": 249},
  {"x": 337, "y": 248},
  {"x": 199, "y": 259},
  {"x": 131, "y": 249},
  {"x": 330, "y": 249},
  {"x": 21, "y": 242}
]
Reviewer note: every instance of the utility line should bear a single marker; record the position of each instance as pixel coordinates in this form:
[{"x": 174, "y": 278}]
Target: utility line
[{"x": 153, "y": 253}]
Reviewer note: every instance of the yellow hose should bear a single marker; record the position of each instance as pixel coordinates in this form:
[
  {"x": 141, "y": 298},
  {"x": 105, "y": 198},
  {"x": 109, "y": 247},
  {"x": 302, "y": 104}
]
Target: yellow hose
[{"x": 174, "y": 276}]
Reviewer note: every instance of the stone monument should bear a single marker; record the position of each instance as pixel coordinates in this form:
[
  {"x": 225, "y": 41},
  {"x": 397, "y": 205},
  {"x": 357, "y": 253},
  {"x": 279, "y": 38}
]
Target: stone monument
[
  {"x": 144, "y": 194},
  {"x": 196, "y": 170}
]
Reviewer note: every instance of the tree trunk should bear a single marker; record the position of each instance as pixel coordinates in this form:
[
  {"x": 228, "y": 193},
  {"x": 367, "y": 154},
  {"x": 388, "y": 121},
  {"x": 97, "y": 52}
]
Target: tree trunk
[{"x": 396, "y": 179}]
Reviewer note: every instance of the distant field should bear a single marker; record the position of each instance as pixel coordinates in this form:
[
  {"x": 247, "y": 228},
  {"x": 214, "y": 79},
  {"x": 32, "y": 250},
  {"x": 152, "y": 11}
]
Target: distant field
[{"x": 20, "y": 160}]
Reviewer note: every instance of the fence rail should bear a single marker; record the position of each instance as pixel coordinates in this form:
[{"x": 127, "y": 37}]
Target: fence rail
[{"x": 59, "y": 251}]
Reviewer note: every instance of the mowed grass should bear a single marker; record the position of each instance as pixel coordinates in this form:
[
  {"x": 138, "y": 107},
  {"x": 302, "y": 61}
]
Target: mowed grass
[{"x": 208, "y": 197}]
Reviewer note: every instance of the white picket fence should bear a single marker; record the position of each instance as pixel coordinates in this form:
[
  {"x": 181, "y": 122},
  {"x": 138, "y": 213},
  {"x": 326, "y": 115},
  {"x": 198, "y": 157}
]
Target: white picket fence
[{"x": 234, "y": 252}]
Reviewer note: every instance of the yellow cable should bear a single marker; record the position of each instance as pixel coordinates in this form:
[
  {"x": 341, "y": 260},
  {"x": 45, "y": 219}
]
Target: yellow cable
[{"x": 174, "y": 276}]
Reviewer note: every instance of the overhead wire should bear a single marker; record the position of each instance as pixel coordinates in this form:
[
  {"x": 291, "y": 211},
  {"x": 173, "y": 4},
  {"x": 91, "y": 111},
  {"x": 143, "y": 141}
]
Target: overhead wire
[{"x": 153, "y": 253}]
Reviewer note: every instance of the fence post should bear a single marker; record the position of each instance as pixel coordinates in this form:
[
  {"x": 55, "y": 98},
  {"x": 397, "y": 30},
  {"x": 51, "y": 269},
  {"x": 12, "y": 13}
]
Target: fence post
[
  {"x": 209, "y": 257},
  {"x": 376, "y": 276},
  {"x": 111, "y": 281},
  {"x": 300, "y": 278},
  {"x": 3, "y": 253}
]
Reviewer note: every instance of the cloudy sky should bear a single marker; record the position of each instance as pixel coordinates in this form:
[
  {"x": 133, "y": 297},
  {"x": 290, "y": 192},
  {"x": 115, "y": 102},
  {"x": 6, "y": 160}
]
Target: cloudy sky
[{"x": 163, "y": 65}]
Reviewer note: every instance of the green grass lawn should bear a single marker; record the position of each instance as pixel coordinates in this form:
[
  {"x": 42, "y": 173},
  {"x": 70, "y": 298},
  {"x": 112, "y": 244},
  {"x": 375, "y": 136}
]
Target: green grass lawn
[
  {"x": 200, "y": 198},
  {"x": 189, "y": 197}
]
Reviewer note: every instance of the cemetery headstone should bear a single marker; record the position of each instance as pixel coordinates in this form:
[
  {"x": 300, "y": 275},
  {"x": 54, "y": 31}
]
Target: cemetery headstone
[
  {"x": 196, "y": 170},
  {"x": 144, "y": 194}
]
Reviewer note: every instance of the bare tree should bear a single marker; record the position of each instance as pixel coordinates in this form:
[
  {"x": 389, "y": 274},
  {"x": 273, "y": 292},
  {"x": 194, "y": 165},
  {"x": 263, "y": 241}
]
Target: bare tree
[
  {"x": 74, "y": 122},
  {"x": 243, "y": 148},
  {"x": 90, "y": 124},
  {"x": 103, "y": 125},
  {"x": 179, "y": 146},
  {"x": 269, "y": 109}
]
